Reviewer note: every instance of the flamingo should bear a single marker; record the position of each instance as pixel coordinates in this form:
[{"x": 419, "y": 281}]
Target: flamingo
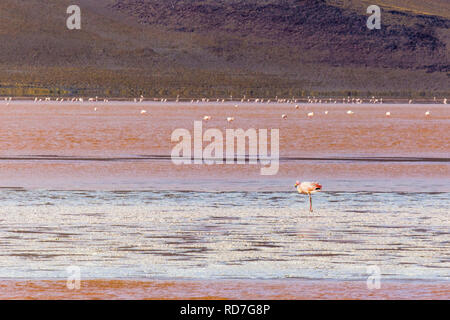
[
  {"x": 388, "y": 114},
  {"x": 230, "y": 119},
  {"x": 207, "y": 118},
  {"x": 308, "y": 188},
  {"x": 284, "y": 116}
]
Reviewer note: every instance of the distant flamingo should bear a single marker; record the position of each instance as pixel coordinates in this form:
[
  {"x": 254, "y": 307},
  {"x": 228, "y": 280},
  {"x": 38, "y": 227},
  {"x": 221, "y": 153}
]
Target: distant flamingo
[{"x": 308, "y": 188}]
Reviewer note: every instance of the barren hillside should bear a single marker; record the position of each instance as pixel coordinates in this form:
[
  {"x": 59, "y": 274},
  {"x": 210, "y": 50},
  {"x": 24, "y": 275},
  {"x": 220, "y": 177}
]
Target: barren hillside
[{"x": 224, "y": 47}]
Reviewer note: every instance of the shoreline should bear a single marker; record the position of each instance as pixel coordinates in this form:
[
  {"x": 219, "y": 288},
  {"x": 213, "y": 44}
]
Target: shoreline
[
  {"x": 106, "y": 289},
  {"x": 220, "y": 101}
]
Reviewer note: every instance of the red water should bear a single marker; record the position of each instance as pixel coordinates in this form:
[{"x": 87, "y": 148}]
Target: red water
[
  {"x": 119, "y": 129},
  {"x": 218, "y": 290}
]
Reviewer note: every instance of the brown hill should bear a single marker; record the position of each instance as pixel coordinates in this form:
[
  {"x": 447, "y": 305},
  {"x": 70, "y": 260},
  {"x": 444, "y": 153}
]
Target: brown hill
[{"x": 224, "y": 47}]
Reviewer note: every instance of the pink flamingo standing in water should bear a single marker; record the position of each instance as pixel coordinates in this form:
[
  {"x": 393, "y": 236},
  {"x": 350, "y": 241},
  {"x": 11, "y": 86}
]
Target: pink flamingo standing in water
[{"x": 308, "y": 188}]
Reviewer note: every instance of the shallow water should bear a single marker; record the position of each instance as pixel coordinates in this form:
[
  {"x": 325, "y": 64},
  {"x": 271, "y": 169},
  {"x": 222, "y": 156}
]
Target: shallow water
[
  {"x": 249, "y": 235},
  {"x": 136, "y": 215},
  {"x": 111, "y": 146},
  {"x": 119, "y": 129}
]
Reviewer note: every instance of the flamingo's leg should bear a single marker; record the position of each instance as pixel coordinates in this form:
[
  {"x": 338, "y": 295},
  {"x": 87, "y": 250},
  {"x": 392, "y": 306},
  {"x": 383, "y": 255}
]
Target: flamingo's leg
[{"x": 310, "y": 203}]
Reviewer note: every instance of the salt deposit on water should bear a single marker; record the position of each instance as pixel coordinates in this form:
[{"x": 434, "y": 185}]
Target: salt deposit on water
[{"x": 252, "y": 235}]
